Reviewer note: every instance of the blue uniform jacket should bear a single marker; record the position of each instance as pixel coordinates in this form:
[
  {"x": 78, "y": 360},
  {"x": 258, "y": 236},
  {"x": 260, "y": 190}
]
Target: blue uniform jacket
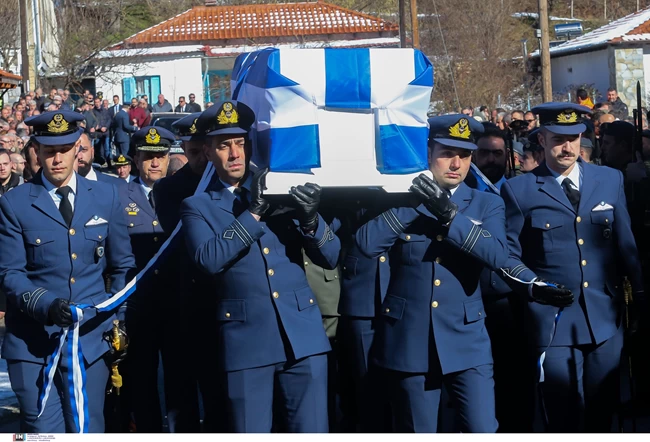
[
  {"x": 109, "y": 179},
  {"x": 434, "y": 297},
  {"x": 122, "y": 127},
  {"x": 147, "y": 236},
  {"x": 43, "y": 260},
  {"x": 582, "y": 251},
  {"x": 266, "y": 311}
]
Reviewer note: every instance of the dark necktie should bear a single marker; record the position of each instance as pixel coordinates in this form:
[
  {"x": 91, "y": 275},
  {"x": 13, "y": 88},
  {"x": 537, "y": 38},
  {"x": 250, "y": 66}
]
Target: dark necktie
[
  {"x": 241, "y": 201},
  {"x": 65, "y": 207},
  {"x": 151, "y": 200},
  {"x": 571, "y": 193}
]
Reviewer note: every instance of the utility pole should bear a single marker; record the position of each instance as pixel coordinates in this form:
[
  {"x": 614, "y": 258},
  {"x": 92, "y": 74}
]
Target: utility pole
[
  {"x": 414, "y": 24},
  {"x": 402, "y": 23},
  {"x": 545, "y": 55},
  {"x": 24, "y": 55}
]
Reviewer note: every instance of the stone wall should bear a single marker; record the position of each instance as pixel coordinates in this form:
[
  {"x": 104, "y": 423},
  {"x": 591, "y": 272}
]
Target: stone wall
[{"x": 629, "y": 70}]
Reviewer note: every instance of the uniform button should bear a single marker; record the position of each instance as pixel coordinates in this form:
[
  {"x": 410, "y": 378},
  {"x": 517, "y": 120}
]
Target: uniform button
[
  {"x": 548, "y": 225},
  {"x": 439, "y": 238},
  {"x": 578, "y": 219},
  {"x": 38, "y": 241},
  {"x": 193, "y": 281},
  {"x": 584, "y": 262},
  {"x": 266, "y": 250},
  {"x": 74, "y": 256},
  {"x": 227, "y": 315},
  {"x": 72, "y": 280},
  {"x": 336, "y": 276},
  {"x": 381, "y": 258},
  {"x": 434, "y": 304},
  {"x": 276, "y": 295},
  {"x": 387, "y": 310},
  {"x": 311, "y": 301},
  {"x": 408, "y": 237},
  {"x": 155, "y": 239},
  {"x": 606, "y": 220},
  {"x": 72, "y": 231},
  {"x": 131, "y": 225},
  {"x": 580, "y": 241},
  {"x": 438, "y": 260},
  {"x": 271, "y": 272},
  {"x": 99, "y": 236},
  {"x": 155, "y": 272},
  {"x": 306, "y": 263},
  {"x": 586, "y": 284},
  {"x": 436, "y": 282},
  {"x": 155, "y": 223}
]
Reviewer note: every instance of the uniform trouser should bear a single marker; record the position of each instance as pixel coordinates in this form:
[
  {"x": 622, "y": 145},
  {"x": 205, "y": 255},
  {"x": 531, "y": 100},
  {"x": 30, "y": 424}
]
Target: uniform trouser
[
  {"x": 580, "y": 389},
  {"x": 364, "y": 406},
  {"x": 27, "y": 380},
  {"x": 149, "y": 340},
  {"x": 415, "y": 399},
  {"x": 513, "y": 378},
  {"x": 297, "y": 390},
  {"x": 122, "y": 148}
]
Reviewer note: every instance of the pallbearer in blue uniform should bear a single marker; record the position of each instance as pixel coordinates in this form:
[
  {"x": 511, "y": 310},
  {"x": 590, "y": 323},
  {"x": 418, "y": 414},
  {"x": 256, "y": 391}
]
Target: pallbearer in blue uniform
[
  {"x": 151, "y": 306},
  {"x": 271, "y": 344},
  {"x": 192, "y": 287},
  {"x": 568, "y": 223},
  {"x": 431, "y": 327},
  {"x": 59, "y": 233}
]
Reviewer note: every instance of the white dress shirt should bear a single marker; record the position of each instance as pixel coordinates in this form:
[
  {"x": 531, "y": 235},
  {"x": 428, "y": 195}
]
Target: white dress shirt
[
  {"x": 92, "y": 175},
  {"x": 246, "y": 185},
  {"x": 51, "y": 189},
  {"x": 575, "y": 176}
]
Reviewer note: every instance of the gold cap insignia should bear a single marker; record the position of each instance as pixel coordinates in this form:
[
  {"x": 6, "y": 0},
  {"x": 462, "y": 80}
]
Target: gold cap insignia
[
  {"x": 58, "y": 124},
  {"x": 228, "y": 115},
  {"x": 460, "y": 129},
  {"x": 193, "y": 127},
  {"x": 567, "y": 117},
  {"x": 121, "y": 159},
  {"x": 152, "y": 137}
]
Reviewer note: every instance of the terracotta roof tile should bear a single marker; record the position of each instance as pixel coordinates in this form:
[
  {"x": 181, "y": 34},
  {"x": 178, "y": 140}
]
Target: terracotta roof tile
[{"x": 213, "y": 23}]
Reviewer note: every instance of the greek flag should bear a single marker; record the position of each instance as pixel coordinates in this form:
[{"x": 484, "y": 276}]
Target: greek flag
[
  {"x": 77, "y": 371},
  {"x": 286, "y": 87}
]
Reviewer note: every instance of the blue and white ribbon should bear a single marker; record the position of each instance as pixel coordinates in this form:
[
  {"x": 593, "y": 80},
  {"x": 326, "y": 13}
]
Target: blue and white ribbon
[
  {"x": 76, "y": 365},
  {"x": 289, "y": 89}
]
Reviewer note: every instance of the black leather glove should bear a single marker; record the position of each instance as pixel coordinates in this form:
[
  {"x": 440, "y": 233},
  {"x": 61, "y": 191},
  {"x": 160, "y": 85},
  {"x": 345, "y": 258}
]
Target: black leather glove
[
  {"x": 258, "y": 205},
  {"x": 548, "y": 295},
  {"x": 434, "y": 198},
  {"x": 60, "y": 313},
  {"x": 307, "y": 198}
]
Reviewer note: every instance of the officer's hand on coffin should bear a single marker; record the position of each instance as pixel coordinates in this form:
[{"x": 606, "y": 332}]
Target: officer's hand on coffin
[
  {"x": 60, "y": 313},
  {"x": 258, "y": 204},
  {"x": 307, "y": 198},
  {"x": 434, "y": 198},
  {"x": 550, "y": 293}
]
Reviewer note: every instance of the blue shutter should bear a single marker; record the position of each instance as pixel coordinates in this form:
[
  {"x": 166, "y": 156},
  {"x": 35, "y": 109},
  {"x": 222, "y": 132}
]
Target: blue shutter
[
  {"x": 147, "y": 87},
  {"x": 155, "y": 89},
  {"x": 128, "y": 89}
]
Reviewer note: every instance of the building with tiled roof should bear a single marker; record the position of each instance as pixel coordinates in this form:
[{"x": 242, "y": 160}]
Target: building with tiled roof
[
  {"x": 194, "y": 51},
  {"x": 614, "y": 55}
]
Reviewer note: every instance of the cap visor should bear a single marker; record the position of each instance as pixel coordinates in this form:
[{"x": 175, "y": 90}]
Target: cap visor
[
  {"x": 153, "y": 148},
  {"x": 229, "y": 131},
  {"x": 456, "y": 143},
  {"x": 575, "y": 129},
  {"x": 50, "y": 140}
]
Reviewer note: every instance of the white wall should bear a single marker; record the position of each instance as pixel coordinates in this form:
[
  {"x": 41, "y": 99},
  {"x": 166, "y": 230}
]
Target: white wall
[
  {"x": 178, "y": 77},
  {"x": 646, "y": 73},
  {"x": 584, "y": 68}
]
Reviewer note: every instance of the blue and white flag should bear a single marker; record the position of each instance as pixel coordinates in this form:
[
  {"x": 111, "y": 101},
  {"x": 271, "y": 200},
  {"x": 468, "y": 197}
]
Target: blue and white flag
[{"x": 286, "y": 87}]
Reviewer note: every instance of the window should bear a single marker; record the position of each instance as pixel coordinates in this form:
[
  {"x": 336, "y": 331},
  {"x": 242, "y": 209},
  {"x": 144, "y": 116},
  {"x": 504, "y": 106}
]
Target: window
[{"x": 136, "y": 87}]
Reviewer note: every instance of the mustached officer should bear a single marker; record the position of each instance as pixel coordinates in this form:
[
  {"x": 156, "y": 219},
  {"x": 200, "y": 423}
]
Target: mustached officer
[
  {"x": 568, "y": 224},
  {"x": 152, "y": 304},
  {"x": 272, "y": 345},
  {"x": 431, "y": 330},
  {"x": 60, "y": 233}
]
